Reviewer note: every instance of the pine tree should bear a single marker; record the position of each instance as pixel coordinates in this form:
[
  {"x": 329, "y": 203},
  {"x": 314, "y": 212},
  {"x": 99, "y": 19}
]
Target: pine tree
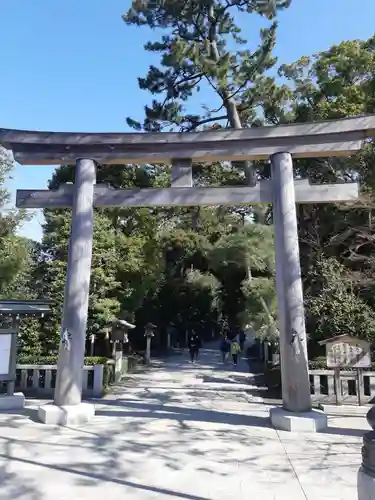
[{"x": 202, "y": 46}]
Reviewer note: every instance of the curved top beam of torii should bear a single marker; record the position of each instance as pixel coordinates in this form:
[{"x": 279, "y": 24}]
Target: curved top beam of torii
[{"x": 319, "y": 139}]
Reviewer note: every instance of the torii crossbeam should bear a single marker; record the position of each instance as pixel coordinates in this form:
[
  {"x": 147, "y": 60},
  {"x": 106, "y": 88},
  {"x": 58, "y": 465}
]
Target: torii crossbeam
[
  {"x": 105, "y": 196},
  {"x": 279, "y": 144}
]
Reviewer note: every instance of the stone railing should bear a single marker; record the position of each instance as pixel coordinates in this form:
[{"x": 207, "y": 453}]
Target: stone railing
[
  {"x": 40, "y": 380},
  {"x": 323, "y": 386}
]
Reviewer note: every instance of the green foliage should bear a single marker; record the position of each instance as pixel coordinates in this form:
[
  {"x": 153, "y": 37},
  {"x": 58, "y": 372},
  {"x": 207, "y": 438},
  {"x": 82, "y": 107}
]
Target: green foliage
[
  {"x": 335, "y": 83},
  {"x": 13, "y": 257},
  {"x": 249, "y": 246},
  {"x": 318, "y": 363},
  {"x": 123, "y": 256},
  {"x": 14, "y": 250},
  {"x": 336, "y": 309},
  {"x": 261, "y": 307},
  {"x": 18, "y": 258},
  {"x": 244, "y": 263},
  {"x": 52, "y": 360},
  {"x": 184, "y": 250}
]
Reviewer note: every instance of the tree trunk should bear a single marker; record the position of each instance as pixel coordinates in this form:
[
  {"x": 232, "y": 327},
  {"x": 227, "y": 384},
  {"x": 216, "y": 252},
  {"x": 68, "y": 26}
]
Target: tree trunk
[{"x": 228, "y": 102}]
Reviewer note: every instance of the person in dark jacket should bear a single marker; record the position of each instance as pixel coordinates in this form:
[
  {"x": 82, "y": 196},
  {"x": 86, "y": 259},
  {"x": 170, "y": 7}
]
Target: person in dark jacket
[
  {"x": 242, "y": 339},
  {"x": 224, "y": 349},
  {"x": 194, "y": 346}
]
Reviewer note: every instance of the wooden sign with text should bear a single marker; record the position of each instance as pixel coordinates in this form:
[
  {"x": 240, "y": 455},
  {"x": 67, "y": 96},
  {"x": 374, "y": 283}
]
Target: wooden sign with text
[{"x": 345, "y": 351}]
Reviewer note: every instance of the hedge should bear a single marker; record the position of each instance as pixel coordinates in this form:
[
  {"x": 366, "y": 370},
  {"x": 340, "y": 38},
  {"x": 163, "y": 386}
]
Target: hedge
[
  {"x": 52, "y": 360},
  {"x": 320, "y": 363}
]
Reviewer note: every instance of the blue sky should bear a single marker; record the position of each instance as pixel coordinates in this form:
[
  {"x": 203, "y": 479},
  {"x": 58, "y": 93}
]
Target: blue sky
[{"x": 71, "y": 65}]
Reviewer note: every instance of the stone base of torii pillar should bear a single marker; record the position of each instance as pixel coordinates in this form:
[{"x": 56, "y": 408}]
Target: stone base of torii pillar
[
  {"x": 308, "y": 421},
  {"x": 66, "y": 415}
]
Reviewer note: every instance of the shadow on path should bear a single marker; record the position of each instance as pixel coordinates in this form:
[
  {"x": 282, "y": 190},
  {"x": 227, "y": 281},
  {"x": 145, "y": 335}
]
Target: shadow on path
[
  {"x": 343, "y": 431},
  {"x": 136, "y": 409},
  {"x": 12, "y": 485},
  {"x": 102, "y": 477}
]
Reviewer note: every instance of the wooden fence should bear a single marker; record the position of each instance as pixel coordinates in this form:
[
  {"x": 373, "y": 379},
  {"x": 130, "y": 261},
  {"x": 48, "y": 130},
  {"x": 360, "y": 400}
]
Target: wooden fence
[{"x": 323, "y": 386}]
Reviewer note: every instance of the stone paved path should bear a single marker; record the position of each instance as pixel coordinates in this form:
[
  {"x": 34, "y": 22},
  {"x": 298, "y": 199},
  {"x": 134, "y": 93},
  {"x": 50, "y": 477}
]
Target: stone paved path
[{"x": 180, "y": 431}]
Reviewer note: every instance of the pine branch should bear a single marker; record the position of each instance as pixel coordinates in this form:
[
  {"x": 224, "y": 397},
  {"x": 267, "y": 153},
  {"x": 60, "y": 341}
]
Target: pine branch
[{"x": 206, "y": 120}]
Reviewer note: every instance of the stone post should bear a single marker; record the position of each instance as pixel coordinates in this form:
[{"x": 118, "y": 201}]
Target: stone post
[
  {"x": 148, "y": 350},
  {"x": 149, "y": 333},
  {"x": 118, "y": 361},
  {"x": 68, "y": 391},
  {"x": 293, "y": 344}
]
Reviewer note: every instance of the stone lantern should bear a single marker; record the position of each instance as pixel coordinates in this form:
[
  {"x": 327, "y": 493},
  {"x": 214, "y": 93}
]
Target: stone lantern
[{"x": 119, "y": 337}]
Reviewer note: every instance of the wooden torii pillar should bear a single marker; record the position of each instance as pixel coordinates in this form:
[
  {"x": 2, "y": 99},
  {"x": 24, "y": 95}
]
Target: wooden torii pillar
[{"x": 278, "y": 144}]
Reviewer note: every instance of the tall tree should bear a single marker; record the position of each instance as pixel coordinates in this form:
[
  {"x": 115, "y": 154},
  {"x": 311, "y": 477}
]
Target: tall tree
[
  {"x": 14, "y": 252},
  {"x": 202, "y": 47},
  {"x": 247, "y": 252},
  {"x": 336, "y": 240}
]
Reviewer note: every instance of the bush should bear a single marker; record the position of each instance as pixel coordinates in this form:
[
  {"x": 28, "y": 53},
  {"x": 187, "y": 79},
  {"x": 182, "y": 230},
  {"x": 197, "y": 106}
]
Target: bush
[
  {"x": 52, "y": 360},
  {"x": 319, "y": 363}
]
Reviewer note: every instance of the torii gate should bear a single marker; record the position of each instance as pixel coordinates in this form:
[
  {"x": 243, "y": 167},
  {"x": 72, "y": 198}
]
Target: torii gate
[{"x": 277, "y": 143}]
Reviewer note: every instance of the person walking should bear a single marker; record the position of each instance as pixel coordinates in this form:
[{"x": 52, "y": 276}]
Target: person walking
[
  {"x": 224, "y": 349},
  {"x": 235, "y": 350},
  {"x": 242, "y": 339},
  {"x": 194, "y": 345}
]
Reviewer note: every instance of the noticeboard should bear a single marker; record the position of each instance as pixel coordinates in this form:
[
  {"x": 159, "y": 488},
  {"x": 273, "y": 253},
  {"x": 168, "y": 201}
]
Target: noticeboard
[{"x": 348, "y": 352}]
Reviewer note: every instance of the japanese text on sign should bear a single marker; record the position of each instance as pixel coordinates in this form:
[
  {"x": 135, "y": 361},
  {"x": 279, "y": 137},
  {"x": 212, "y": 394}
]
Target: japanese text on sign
[{"x": 345, "y": 354}]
